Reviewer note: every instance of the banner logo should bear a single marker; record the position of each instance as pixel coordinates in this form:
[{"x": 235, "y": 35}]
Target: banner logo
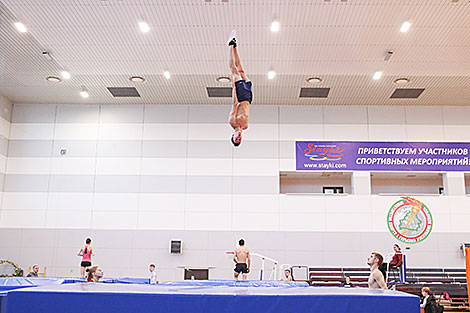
[
  {"x": 409, "y": 220},
  {"x": 316, "y": 152}
]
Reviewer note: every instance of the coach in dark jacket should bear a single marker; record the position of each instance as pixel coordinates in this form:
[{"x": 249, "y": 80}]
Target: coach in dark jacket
[{"x": 428, "y": 302}]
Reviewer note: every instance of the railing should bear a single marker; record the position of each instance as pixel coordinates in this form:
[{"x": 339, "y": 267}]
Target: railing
[
  {"x": 401, "y": 269},
  {"x": 273, "y": 275}
]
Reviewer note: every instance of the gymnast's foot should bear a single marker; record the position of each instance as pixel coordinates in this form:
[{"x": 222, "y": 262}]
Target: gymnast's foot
[{"x": 231, "y": 40}]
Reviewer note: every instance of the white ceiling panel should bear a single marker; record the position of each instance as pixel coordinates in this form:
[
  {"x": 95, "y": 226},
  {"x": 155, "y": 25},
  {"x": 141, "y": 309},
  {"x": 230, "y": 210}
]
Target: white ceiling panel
[{"x": 100, "y": 44}]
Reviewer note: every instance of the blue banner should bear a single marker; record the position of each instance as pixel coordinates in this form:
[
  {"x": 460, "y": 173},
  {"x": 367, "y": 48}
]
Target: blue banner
[{"x": 382, "y": 156}]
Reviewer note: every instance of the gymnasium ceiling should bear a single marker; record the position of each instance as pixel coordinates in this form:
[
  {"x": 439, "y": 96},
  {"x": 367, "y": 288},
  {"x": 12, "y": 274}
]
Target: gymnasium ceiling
[{"x": 341, "y": 41}]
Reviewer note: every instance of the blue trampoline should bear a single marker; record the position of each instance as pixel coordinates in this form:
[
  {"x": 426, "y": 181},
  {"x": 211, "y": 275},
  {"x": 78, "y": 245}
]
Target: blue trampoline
[{"x": 205, "y": 297}]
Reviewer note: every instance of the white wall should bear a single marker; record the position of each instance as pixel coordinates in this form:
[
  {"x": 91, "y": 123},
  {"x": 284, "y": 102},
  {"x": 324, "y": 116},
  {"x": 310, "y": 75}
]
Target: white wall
[
  {"x": 5, "y": 117},
  {"x": 135, "y": 176}
]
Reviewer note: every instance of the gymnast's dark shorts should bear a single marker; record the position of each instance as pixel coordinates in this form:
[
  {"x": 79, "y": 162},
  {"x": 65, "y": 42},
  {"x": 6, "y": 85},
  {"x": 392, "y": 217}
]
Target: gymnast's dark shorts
[
  {"x": 243, "y": 89},
  {"x": 85, "y": 264},
  {"x": 241, "y": 268}
]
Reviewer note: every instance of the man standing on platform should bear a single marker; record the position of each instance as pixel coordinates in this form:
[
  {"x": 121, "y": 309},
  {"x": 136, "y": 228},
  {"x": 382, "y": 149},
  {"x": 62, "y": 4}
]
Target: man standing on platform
[
  {"x": 376, "y": 278},
  {"x": 242, "y": 260}
]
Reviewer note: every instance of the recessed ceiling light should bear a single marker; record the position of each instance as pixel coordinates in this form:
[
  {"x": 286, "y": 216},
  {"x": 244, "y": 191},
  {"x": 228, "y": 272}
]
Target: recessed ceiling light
[
  {"x": 167, "y": 74},
  {"x": 137, "y": 79},
  {"x": 314, "y": 80},
  {"x": 144, "y": 27},
  {"x": 65, "y": 75},
  {"x": 223, "y": 79},
  {"x": 20, "y": 27},
  {"x": 271, "y": 74},
  {"x": 275, "y": 26},
  {"x": 84, "y": 93},
  {"x": 401, "y": 81},
  {"x": 377, "y": 75},
  {"x": 53, "y": 79},
  {"x": 405, "y": 26}
]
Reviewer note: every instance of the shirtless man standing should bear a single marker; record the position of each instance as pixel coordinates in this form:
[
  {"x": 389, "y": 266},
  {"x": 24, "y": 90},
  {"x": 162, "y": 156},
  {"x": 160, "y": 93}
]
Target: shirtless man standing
[
  {"x": 242, "y": 260},
  {"x": 242, "y": 94},
  {"x": 376, "y": 278}
]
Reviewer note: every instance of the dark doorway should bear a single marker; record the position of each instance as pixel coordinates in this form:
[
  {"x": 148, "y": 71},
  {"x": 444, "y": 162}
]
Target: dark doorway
[{"x": 196, "y": 274}]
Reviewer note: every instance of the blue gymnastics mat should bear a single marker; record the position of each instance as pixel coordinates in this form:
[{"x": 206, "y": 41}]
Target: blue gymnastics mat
[
  {"x": 9, "y": 283},
  {"x": 120, "y": 298},
  {"x": 235, "y": 283}
]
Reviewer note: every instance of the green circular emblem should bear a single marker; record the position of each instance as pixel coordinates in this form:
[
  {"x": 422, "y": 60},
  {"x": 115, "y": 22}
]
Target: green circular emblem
[{"x": 409, "y": 220}]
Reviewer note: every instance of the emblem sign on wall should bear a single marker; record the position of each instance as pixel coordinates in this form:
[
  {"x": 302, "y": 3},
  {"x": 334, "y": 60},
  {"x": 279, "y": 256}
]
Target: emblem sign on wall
[{"x": 409, "y": 220}]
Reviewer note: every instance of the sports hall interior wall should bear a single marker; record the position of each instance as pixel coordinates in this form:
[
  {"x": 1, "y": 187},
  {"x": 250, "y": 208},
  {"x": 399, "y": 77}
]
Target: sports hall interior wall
[
  {"x": 5, "y": 117},
  {"x": 134, "y": 177}
]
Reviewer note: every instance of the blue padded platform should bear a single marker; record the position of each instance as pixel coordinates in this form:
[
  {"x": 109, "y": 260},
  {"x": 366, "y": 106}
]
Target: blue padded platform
[
  {"x": 9, "y": 283},
  {"x": 125, "y": 280},
  {"x": 128, "y": 280},
  {"x": 120, "y": 298},
  {"x": 3, "y": 303},
  {"x": 234, "y": 283},
  {"x": 71, "y": 280}
]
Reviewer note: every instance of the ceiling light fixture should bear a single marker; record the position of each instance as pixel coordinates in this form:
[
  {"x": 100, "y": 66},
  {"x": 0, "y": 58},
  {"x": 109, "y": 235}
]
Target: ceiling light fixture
[
  {"x": 84, "y": 93},
  {"x": 275, "y": 26},
  {"x": 167, "y": 74},
  {"x": 401, "y": 81},
  {"x": 47, "y": 55},
  {"x": 20, "y": 27},
  {"x": 271, "y": 74},
  {"x": 137, "y": 79},
  {"x": 65, "y": 75},
  {"x": 53, "y": 79},
  {"x": 388, "y": 55},
  {"x": 314, "y": 80},
  {"x": 405, "y": 26},
  {"x": 223, "y": 80},
  {"x": 144, "y": 27},
  {"x": 377, "y": 75}
]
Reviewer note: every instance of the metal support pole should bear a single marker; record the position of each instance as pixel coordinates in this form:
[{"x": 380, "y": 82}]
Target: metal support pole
[
  {"x": 262, "y": 269},
  {"x": 467, "y": 268}
]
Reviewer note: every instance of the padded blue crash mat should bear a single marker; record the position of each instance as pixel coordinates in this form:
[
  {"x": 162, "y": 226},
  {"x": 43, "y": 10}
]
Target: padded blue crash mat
[
  {"x": 120, "y": 298},
  {"x": 234, "y": 283},
  {"x": 9, "y": 283}
]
